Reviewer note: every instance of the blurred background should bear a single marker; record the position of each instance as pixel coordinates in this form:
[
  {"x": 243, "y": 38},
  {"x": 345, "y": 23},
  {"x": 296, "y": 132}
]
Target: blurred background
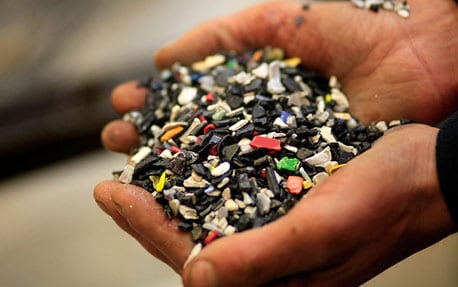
[{"x": 59, "y": 61}]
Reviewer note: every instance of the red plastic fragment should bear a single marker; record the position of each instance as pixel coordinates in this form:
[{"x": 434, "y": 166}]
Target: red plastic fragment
[
  {"x": 208, "y": 128},
  {"x": 212, "y": 236},
  {"x": 213, "y": 150},
  {"x": 294, "y": 184},
  {"x": 210, "y": 97},
  {"x": 174, "y": 149},
  {"x": 202, "y": 118},
  {"x": 263, "y": 173},
  {"x": 265, "y": 142}
]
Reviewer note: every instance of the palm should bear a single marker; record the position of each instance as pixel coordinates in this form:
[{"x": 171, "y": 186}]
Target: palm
[{"x": 390, "y": 67}]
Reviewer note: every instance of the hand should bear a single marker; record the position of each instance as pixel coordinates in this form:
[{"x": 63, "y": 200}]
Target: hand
[
  {"x": 390, "y": 68},
  {"x": 382, "y": 207}
]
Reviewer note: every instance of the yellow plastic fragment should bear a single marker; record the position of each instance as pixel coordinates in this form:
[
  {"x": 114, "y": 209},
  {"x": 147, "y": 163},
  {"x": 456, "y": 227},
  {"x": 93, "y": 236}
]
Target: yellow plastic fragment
[
  {"x": 334, "y": 168},
  {"x": 292, "y": 62},
  {"x": 171, "y": 133},
  {"x": 307, "y": 184},
  {"x": 209, "y": 62},
  {"x": 154, "y": 180},
  {"x": 161, "y": 183}
]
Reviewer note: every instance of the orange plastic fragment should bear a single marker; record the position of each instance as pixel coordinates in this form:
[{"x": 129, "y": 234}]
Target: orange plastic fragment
[
  {"x": 171, "y": 133},
  {"x": 294, "y": 184},
  {"x": 257, "y": 55}
]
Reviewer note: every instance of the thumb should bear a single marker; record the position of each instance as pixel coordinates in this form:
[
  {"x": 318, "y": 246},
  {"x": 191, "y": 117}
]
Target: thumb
[
  {"x": 258, "y": 256},
  {"x": 267, "y": 24}
]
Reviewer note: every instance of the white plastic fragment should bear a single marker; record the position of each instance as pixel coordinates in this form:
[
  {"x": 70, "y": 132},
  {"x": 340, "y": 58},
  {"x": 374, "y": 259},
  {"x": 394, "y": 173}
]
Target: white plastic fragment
[
  {"x": 250, "y": 211},
  {"x": 404, "y": 13},
  {"x": 394, "y": 123},
  {"x": 166, "y": 154},
  {"x": 242, "y": 78},
  {"x": 388, "y": 5},
  {"x": 279, "y": 123},
  {"x": 263, "y": 203},
  {"x": 188, "y": 212},
  {"x": 348, "y": 148},
  {"x": 194, "y": 252},
  {"x": 223, "y": 182},
  {"x": 320, "y": 158},
  {"x": 187, "y": 95},
  {"x": 222, "y": 212},
  {"x": 333, "y": 82},
  {"x": 173, "y": 124},
  {"x": 127, "y": 173},
  {"x": 143, "y": 152},
  {"x": 174, "y": 206},
  {"x": 238, "y": 125},
  {"x": 240, "y": 203},
  {"x": 381, "y": 126},
  {"x": 274, "y": 85},
  {"x": 290, "y": 148},
  {"x": 192, "y": 182},
  {"x": 341, "y": 100},
  {"x": 319, "y": 177},
  {"x": 221, "y": 169},
  {"x": 304, "y": 87},
  {"x": 231, "y": 205},
  {"x": 343, "y": 116},
  {"x": 247, "y": 199},
  {"x": 229, "y": 230},
  {"x": 326, "y": 134},
  {"x": 261, "y": 71},
  {"x": 207, "y": 83}
]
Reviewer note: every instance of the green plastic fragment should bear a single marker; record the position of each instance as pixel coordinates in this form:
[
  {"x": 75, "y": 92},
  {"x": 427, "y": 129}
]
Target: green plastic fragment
[
  {"x": 219, "y": 115},
  {"x": 232, "y": 64},
  {"x": 287, "y": 163}
]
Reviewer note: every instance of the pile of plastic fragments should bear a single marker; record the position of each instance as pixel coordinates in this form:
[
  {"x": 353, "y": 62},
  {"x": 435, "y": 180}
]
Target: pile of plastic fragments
[{"x": 233, "y": 142}]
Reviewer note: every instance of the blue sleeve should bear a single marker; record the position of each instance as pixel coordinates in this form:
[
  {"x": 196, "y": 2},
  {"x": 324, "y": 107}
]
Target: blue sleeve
[{"x": 447, "y": 163}]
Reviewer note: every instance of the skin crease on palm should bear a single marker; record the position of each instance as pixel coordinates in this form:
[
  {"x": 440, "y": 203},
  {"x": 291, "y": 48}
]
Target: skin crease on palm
[{"x": 382, "y": 207}]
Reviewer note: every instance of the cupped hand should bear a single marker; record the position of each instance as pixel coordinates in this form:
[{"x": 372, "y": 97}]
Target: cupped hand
[
  {"x": 380, "y": 208},
  {"x": 390, "y": 68}
]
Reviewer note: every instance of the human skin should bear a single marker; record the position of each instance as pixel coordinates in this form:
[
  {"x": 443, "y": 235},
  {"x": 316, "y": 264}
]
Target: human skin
[{"x": 382, "y": 207}]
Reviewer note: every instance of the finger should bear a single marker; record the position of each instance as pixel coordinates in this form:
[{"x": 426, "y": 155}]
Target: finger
[
  {"x": 119, "y": 136},
  {"x": 297, "y": 242},
  {"x": 320, "y": 233},
  {"x": 102, "y": 195},
  {"x": 267, "y": 24},
  {"x": 128, "y": 96},
  {"x": 145, "y": 215}
]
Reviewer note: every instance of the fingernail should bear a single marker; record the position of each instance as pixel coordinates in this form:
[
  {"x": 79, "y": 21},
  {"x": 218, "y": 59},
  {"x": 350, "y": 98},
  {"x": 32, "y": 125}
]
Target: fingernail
[{"x": 202, "y": 274}]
